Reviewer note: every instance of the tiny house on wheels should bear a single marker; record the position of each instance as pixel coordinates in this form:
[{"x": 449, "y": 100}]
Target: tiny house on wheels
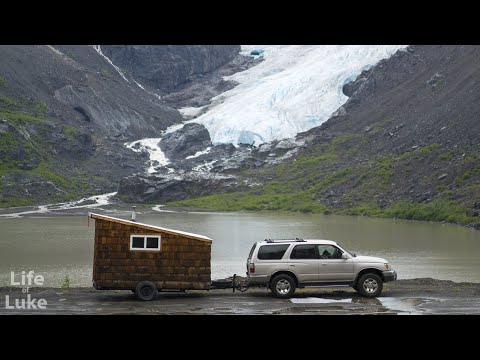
[{"x": 129, "y": 255}]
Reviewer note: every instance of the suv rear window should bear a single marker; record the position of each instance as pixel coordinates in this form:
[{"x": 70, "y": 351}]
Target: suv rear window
[{"x": 272, "y": 252}]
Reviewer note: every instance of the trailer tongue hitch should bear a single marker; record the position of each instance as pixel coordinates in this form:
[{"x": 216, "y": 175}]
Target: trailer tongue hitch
[{"x": 233, "y": 283}]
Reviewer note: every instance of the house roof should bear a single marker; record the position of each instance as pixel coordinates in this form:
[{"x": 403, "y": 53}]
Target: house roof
[{"x": 150, "y": 227}]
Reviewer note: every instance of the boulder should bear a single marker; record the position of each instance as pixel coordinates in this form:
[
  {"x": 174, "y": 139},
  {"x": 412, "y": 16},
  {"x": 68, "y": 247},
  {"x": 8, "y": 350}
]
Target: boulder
[
  {"x": 286, "y": 144},
  {"x": 472, "y": 212},
  {"x": 187, "y": 141}
]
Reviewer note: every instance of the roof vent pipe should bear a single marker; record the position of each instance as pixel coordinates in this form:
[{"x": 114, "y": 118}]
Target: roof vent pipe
[{"x": 134, "y": 214}]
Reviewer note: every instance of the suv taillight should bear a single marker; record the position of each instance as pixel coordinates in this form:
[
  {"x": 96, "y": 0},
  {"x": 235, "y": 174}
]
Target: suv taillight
[{"x": 251, "y": 270}]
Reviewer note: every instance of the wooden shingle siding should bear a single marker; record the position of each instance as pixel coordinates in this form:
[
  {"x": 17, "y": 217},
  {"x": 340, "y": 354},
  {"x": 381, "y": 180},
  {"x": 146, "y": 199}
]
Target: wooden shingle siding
[{"x": 181, "y": 263}]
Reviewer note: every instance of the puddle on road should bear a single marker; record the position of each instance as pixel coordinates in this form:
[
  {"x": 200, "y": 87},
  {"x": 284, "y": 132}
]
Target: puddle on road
[
  {"x": 315, "y": 300},
  {"x": 405, "y": 306},
  {"x": 401, "y": 306}
]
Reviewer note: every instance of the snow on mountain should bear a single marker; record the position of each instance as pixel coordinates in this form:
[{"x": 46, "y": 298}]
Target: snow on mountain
[{"x": 296, "y": 88}]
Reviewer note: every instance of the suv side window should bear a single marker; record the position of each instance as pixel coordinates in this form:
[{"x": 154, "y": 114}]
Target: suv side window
[
  {"x": 304, "y": 252},
  {"x": 272, "y": 252},
  {"x": 329, "y": 252}
]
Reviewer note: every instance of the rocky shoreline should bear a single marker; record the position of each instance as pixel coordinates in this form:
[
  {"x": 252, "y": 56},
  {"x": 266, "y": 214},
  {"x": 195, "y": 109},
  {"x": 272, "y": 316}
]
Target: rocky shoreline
[{"x": 123, "y": 207}]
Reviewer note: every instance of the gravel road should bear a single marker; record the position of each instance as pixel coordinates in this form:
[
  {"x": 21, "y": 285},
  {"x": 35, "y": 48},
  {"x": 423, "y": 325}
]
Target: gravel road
[{"x": 416, "y": 296}]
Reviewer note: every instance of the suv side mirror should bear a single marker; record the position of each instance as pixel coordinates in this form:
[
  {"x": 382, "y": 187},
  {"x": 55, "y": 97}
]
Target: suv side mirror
[{"x": 344, "y": 256}]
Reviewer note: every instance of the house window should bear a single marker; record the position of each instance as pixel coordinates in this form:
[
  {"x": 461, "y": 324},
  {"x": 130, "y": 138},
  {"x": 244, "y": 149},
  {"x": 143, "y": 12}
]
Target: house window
[{"x": 145, "y": 242}]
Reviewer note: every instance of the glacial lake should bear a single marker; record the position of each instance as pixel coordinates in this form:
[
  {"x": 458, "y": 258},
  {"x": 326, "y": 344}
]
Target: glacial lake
[{"x": 59, "y": 245}]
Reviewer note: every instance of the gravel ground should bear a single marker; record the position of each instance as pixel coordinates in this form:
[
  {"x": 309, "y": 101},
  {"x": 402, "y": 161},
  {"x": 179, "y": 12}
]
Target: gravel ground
[{"x": 416, "y": 296}]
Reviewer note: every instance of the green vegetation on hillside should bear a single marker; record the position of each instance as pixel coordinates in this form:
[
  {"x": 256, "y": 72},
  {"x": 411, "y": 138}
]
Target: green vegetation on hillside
[
  {"x": 25, "y": 155},
  {"x": 435, "y": 211},
  {"x": 438, "y": 210},
  {"x": 22, "y": 111},
  {"x": 327, "y": 180},
  {"x": 105, "y": 72},
  {"x": 16, "y": 146}
]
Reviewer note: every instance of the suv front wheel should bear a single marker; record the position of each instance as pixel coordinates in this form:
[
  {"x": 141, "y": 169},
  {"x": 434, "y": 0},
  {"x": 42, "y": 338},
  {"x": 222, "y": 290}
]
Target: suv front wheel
[
  {"x": 369, "y": 285},
  {"x": 282, "y": 286}
]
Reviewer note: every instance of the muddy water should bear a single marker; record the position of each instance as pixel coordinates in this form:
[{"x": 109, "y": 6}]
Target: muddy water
[{"x": 57, "y": 246}]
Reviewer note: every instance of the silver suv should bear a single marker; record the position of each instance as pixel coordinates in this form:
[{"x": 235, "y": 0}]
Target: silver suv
[{"x": 284, "y": 265}]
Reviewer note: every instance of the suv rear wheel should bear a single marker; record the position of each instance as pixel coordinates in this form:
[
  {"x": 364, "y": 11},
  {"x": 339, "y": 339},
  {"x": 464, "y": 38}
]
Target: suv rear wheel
[
  {"x": 370, "y": 285},
  {"x": 282, "y": 286}
]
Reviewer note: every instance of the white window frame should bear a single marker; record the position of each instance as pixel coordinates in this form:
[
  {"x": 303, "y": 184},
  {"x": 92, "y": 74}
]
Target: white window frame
[{"x": 145, "y": 236}]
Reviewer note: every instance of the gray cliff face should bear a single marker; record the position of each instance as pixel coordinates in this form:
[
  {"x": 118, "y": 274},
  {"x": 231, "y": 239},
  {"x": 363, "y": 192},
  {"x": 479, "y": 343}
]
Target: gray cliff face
[
  {"x": 66, "y": 112},
  {"x": 82, "y": 89},
  {"x": 165, "y": 67},
  {"x": 184, "y": 75}
]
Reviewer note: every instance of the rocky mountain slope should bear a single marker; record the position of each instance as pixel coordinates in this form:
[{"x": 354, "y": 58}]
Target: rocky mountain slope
[
  {"x": 406, "y": 144},
  {"x": 196, "y": 167},
  {"x": 184, "y": 75},
  {"x": 66, "y": 112}
]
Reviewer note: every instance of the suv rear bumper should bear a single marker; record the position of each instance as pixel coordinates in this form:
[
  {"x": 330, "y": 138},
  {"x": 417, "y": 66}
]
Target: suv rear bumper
[
  {"x": 389, "y": 275},
  {"x": 262, "y": 280}
]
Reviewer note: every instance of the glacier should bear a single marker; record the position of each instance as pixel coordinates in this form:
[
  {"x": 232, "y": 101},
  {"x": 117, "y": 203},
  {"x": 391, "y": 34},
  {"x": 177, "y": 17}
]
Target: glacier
[{"x": 295, "y": 88}]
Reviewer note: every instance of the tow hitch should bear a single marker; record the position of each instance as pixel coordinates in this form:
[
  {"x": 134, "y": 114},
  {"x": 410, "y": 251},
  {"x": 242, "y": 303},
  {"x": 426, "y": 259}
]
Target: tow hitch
[{"x": 231, "y": 283}]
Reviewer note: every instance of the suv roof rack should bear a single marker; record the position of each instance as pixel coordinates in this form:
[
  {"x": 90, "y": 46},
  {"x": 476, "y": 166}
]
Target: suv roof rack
[{"x": 284, "y": 240}]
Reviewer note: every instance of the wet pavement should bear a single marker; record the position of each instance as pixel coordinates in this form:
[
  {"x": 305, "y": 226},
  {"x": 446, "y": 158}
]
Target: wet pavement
[{"x": 404, "y": 297}]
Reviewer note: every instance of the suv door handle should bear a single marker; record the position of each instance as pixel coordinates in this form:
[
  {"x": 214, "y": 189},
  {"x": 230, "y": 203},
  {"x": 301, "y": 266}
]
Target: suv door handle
[
  {"x": 324, "y": 264},
  {"x": 292, "y": 265}
]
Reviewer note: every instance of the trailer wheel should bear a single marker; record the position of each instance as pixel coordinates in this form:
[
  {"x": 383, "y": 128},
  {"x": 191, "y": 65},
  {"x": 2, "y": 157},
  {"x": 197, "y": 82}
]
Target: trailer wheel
[{"x": 146, "y": 290}]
